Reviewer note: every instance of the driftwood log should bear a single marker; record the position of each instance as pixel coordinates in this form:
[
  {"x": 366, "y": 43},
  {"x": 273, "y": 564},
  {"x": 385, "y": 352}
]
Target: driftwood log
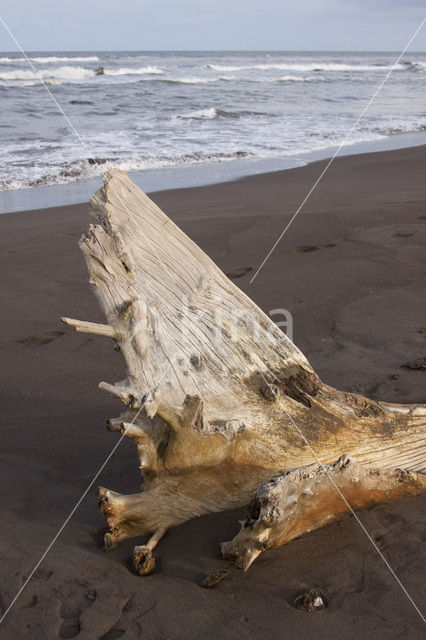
[{"x": 223, "y": 408}]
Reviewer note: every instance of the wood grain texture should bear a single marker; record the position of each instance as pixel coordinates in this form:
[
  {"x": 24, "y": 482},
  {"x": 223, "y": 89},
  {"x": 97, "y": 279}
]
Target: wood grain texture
[{"x": 217, "y": 398}]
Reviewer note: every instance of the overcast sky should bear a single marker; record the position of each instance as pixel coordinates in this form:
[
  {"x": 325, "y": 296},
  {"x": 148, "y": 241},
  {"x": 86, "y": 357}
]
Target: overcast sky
[{"x": 330, "y": 25}]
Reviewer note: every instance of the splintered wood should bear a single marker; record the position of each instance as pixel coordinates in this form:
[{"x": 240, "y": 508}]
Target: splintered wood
[{"x": 223, "y": 408}]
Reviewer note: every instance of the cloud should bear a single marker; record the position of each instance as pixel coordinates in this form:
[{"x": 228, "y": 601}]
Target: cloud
[
  {"x": 206, "y": 17},
  {"x": 214, "y": 24}
]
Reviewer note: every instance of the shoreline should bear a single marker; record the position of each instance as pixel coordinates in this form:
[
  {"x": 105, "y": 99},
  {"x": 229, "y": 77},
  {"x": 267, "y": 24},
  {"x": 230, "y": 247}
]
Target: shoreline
[
  {"x": 351, "y": 272},
  {"x": 196, "y": 175}
]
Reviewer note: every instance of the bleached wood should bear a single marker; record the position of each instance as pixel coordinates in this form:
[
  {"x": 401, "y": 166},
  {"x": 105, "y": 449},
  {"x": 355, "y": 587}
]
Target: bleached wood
[
  {"x": 218, "y": 398},
  {"x": 95, "y": 328}
]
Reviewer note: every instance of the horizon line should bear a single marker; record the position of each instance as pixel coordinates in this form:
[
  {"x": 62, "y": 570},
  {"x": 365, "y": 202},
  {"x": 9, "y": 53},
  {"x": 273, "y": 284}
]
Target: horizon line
[{"x": 210, "y": 51}]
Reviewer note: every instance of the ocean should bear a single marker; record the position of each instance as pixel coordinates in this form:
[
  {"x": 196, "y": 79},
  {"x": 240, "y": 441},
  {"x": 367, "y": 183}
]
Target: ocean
[{"x": 183, "y": 118}]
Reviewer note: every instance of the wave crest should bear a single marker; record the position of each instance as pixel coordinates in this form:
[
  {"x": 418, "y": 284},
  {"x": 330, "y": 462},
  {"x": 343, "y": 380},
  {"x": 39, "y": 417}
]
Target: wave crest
[
  {"x": 60, "y": 73},
  {"x": 73, "y": 73},
  {"x": 189, "y": 80},
  {"x": 213, "y": 112},
  {"x": 87, "y": 168},
  {"x": 294, "y": 66},
  {"x": 417, "y": 65},
  {"x": 130, "y": 71},
  {"x": 297, "y": 79},
  {"x": 48, "y": 59}
]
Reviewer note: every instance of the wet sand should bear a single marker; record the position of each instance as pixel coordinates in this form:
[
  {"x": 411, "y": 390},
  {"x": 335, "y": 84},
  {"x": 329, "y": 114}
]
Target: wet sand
[{"x": 351, "y": 270}]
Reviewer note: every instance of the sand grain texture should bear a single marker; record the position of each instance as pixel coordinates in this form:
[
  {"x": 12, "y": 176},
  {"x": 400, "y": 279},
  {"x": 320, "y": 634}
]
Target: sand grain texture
[{"x": 358, "y": 308}]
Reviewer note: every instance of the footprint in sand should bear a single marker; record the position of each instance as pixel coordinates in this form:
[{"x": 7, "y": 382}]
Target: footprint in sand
[
  {"x": 113, "y": 634},
  {"x": 71, "y": 611},
  {"x": 418, "y": 364},
  {"x": 38, "y": 341},
  {"x": 238, "y": 272},
  {"x": 306, "y": 248},
  {"x": 95, "y": 614}
]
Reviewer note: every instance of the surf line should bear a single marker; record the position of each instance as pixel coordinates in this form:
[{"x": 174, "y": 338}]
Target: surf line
[
  {"x": 339, "y": 148},
  {"x": 86, "y": 149},
  {"x": 74, "y": 130}
]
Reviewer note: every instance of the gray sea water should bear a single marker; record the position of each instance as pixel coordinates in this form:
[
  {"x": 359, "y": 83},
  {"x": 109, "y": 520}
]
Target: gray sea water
[{"x": 184, "y": 118}]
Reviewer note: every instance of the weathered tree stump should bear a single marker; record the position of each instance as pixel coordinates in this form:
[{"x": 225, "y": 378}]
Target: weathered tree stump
[{"x": 218, "y": 399}]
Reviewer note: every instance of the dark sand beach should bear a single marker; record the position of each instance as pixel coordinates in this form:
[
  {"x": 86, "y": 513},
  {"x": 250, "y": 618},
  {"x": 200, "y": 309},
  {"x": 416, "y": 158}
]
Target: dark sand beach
[{"x": 351, "y": 270}]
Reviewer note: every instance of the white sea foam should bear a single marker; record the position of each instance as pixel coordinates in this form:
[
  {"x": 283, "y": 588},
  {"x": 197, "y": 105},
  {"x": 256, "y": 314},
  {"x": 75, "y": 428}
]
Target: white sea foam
[
  {"x": 153, "y": 124},
  {"x": 418, "y": 65},
  {"x": 30, "y": 83},
  {"x": 293, "y": 66},
  {"x": 72, "y": 73},
  {"x": 59, "y": 73},
  {"x": 83, "y": 169},
  {"x": 128, "y": 71},
  {"x": 49, "y": 59},
  {"x": 214, "y": 112},
  {"x": 190, "y": 80},
  {"x": 48, "y": 82},
  {"x": 219, "y": 67},
  {"x": 201, "y": 114},
  {"x": 296, "y": 79}
]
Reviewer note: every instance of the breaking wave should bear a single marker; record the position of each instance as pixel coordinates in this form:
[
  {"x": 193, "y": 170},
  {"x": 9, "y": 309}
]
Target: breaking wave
[
  {"x": 88, "y": 168},
  {"x": 208, "y": 114},
  {"x": 293, "y": 66},
  {"x": 147, "y": 111},
  {"x": 61, "y": 73},
  {"x": 297, "y": 79},
  {"x": 202, "y": 114},
  {"x": 47, "y": 59},
  {"x": 73, "y": 73},
  {"x": 189, "y": 80},
  {"x": 129, "y": 71},
  {"x": 417, "y": 65}
]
